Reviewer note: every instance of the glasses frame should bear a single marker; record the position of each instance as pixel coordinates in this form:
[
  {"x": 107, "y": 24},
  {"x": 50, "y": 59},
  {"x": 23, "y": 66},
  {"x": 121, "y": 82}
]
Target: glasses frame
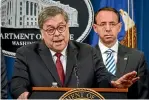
[
  {"x": 106, "y": 25},
  {"x": 54, "y": 30}
]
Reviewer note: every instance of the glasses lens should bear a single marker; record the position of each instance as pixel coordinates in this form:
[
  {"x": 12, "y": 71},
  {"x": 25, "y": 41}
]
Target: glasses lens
[
  {"x": 61, "y": 28},
  {"x": 50, "y": 31}
]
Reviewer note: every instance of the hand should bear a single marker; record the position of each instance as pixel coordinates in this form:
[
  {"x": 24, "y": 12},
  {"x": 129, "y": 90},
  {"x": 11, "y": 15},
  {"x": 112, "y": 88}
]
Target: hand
[
  {"x": 24, "y": 95},
  {"x": 126, "y": 80}
]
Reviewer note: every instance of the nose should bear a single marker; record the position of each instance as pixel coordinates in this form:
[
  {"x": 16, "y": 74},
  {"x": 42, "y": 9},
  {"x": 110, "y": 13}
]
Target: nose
[
  {"x": 57, "y": 33},
  {"x": 107, "y": 28}
]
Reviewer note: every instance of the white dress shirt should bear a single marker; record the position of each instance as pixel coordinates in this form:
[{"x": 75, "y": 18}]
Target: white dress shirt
[
  {"x": 103, "y": 48},
  {"x": 63, "y": 58}
]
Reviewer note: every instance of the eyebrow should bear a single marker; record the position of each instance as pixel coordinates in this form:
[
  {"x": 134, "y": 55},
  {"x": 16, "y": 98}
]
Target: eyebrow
[
  {"x": 50, "y": 26},
  {"x": 58, "y": 24},
  {"x": 110, "y": 22},
  {"x": 61, "y": 23}
]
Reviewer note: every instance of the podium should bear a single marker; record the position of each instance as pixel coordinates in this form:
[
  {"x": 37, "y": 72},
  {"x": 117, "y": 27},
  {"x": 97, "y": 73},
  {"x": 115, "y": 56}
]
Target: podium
[{"x": 56, "y": 93}]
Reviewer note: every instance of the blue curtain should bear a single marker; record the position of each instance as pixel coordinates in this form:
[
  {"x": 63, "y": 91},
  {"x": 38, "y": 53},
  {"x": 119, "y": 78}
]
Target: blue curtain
[
  {"x": 9, "y": 64},
  {"x": 142, "y": 23}
]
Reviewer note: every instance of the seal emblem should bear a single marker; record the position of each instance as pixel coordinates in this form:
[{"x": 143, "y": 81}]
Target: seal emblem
[
  {"x": 81, "y": 94},
  {"x": 19, "y": 24}
]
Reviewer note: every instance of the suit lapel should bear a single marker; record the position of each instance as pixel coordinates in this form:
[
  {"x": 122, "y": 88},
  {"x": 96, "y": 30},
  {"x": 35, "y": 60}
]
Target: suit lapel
[
  {"x": 71, "y": 60},
  {"x": 48, "y": 60},
  {"x": 97, "y": 47},
  {"x": 122, "y": 59}
]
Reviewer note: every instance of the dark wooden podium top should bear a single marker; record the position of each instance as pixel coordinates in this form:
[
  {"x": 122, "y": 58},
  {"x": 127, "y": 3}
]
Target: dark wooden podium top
[{"x": 67, "y": 89}]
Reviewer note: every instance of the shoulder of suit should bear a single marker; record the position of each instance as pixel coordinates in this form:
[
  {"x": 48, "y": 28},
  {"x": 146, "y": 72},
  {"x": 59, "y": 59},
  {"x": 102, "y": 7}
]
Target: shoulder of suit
[
  {"x": 81, "y": 45},
  {"x": 27, "y": 47},
  {"x": 132, "y": 50}
]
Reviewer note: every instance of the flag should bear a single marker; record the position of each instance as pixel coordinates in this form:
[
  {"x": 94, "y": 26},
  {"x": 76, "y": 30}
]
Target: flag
[{"x": 127, "y": 36}]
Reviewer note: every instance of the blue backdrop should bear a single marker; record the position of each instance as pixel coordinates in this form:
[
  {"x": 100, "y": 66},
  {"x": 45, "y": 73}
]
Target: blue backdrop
[{"x": 142, "y": 23}]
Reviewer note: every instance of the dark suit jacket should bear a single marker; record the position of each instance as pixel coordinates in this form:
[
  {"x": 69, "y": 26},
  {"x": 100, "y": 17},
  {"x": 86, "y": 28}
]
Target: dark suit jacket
[
  {"x": 34, "y": 66},
  {"x": 4, "y": 84},
  {"x": 129, "y": 60}
]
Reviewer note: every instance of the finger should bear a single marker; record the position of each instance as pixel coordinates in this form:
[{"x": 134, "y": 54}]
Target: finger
[
  {"x": 116, "y": 84},
  {"x": 130, "y": 75},
  {"x": 26, "y": 94},
  {"x": 23, "y": 96},
  {"x": 129, "y": 82},
  {"x": 126, "y": 83},
  {"x": 135, "y": 79},
  {"x": 121, "y": 82},
  {"x": 20, "y": 97}
]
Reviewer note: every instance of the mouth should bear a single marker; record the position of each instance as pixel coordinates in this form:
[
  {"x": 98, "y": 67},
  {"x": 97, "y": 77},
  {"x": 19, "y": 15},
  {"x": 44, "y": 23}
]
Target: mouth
[
  {"x": 58, "y": 41},
  {"x": 108, "y": 36}
]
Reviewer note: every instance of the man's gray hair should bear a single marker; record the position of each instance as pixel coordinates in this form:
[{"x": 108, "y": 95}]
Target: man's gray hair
[{"x": 51, "y": 11}]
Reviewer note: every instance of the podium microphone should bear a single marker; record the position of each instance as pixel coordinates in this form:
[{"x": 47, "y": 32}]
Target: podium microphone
[
  {"x": 76, "y": 75},
  {"x": 76, "y": 71}
]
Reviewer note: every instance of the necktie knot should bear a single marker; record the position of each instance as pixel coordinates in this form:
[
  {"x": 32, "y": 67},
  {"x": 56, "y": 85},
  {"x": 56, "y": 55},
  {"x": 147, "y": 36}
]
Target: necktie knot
[
  {"x": 58, "y": 55},
  {"x": 109, "y": 51}
]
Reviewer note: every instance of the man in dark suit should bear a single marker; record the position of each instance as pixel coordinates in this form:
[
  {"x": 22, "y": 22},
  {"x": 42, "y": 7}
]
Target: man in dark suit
[
  {"x": 4, "y": 84},
  {"x": 57, "y": 59},
  {"x": 122, "y": 59}
]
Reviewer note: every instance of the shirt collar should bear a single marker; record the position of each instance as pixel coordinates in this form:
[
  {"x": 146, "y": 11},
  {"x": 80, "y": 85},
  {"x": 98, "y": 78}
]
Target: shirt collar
[
  {"x": 63, "y": 52},
  {"x": 103, "y": 48}
]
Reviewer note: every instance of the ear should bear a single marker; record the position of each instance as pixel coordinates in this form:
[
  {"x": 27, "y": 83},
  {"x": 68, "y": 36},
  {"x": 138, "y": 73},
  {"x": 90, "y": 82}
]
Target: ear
[
  {"x": 120, "y": 26},
  {"x": 67, "y": 26},
  {"x": 95, "y": 27},
  {"x": 42, "y": 36}
]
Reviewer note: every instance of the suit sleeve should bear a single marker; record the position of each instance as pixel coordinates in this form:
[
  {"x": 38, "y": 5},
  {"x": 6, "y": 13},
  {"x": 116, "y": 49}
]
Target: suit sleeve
[
  {"x": 143, "y": 83},
  {"x": 20, "y": 80},
  {"x": 103, "y": 77},
  {"x": 3, "y": 79}
]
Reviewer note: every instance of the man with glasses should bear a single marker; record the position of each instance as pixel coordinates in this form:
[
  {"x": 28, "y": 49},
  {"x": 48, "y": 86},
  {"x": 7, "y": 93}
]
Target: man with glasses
[
  {"x": 117, "y": 58},
  {"x": 58, "y": 61}
]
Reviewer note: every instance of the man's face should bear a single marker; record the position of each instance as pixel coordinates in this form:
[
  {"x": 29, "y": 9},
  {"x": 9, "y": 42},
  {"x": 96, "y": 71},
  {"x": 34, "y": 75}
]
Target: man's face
[
  {"x": 55, "y": 33},
  {"x": 107, "y": 26}
]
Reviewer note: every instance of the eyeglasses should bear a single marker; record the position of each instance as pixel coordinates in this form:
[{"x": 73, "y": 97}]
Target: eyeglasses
[
  {"x": 111, "y": 25},
  {"x": 51, "y": 30}
]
